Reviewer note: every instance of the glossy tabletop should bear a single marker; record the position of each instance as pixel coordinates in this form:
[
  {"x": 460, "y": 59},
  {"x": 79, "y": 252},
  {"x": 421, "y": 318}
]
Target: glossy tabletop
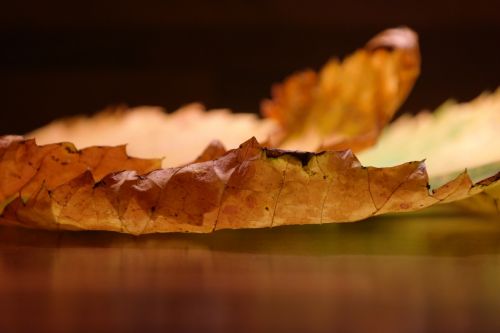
[{"x": 436, "y": 272}]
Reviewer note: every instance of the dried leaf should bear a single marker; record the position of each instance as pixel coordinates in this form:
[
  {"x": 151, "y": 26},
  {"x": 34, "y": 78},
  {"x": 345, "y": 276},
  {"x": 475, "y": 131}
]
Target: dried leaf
[
  {"x": 347, "y": 103},
  {"x": 53, "y": 185},
  {"x": 344, "y": 106},
  {"x": 25, "y": 167},
  {"x": 453, "y": 138},
  {"x": 248, "y": 187},
  {"x": 149, "y": 132}
]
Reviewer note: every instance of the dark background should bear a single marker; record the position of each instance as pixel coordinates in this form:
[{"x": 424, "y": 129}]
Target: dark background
[{"x": 61, "y": 58}]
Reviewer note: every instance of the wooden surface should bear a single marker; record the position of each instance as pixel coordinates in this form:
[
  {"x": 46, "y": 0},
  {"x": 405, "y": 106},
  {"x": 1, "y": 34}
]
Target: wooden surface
[{"x": 409, "y": 273}]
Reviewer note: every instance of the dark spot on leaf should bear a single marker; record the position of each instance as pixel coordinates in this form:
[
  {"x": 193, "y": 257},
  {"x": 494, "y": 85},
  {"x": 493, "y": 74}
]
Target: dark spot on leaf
[
  {"x": 267, "y": 208},
  {"x": 303, "y": 157}
]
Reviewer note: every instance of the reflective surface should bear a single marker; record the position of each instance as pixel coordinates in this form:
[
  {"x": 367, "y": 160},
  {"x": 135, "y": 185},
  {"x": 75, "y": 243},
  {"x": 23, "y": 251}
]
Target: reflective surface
[{"x": 409, "y": 273}]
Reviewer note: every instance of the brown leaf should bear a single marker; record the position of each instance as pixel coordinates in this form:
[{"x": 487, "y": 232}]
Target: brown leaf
[
  {"x": 57, "y": 186},
  {"x": 25, "y": 167},
  {"x": 214, "y": 150},
  {"x": 247, "y": 187}
]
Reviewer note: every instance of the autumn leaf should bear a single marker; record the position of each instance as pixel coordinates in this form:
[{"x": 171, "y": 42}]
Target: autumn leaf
[
  {"x": 348, "y": 103},
  {"x": 248, "y": 187},
  {"x": 148, "y": 132},
  {"x": 25, "y": 167},
  {"x": 452, "y": 139},
  {"x": 344, "y": 106},
  {"x": 52, "y": 185}
]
